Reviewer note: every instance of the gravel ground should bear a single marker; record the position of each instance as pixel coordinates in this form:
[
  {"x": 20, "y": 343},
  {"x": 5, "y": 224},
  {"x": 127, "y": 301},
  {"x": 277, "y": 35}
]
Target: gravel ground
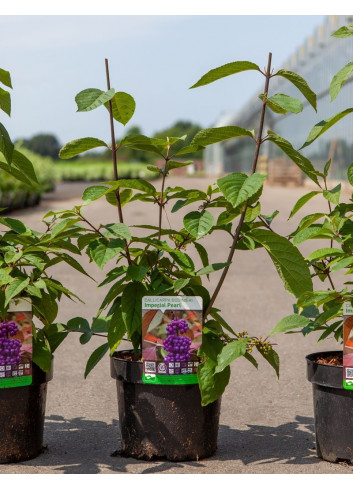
[{"x": 266, "y": 424}]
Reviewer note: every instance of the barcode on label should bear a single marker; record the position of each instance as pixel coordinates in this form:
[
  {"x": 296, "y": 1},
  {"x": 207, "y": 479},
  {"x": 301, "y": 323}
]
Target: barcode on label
[
  {"x": 151, "y": 367},
  {"x": 349, "y": 373}
]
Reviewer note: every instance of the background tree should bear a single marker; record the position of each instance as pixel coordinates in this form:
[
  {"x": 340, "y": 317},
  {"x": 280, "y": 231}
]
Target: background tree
[
  {"x": 180, "y": 128},
  {"x": 44, "y": 145}
]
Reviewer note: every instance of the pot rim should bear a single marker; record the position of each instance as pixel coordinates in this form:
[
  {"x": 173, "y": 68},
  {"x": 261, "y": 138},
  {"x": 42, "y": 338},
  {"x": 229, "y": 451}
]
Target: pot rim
[
  {"x": 311, "y": 358},
  {"x": 117, "y": 358}
]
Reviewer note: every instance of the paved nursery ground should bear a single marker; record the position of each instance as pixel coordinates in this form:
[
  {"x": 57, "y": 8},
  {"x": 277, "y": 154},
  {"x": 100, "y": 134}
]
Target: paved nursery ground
[{"x": 266, "y": 425}]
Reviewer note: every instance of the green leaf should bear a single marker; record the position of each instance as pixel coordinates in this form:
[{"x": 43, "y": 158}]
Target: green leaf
[
  {"x": 16, "y": 225},
  {"x": 5, "y": 78},
  {"x": 131, "y": 303},
  {"x": 339, "y": 79},
  {"x": 330, "y": 329},
  {"x": 136, "y": 273},
  {"x": 317, "y": 298},
  {"x": 5, "y": 278},
  {"x": 231, "y": 352},
  {"x": 206, "y": 137},
  {"x": 300, "y": 84},
  {"x": 343, "y": 32},
  {"x": 302, "y": 201},
  {"x": 313, "y": 231},
  {"x": 11, "y": 170},
  {"x": 103, "y": 250},
  {"x": 225, "y": 70},
  {"x": 74, "y": 148},
  {"x": 94, "y": 192},
  {"x": 198, "y": 223},
  {"x": 73, "y": 263},
  {"x": 220, "y": 320},
  {"x": 95, "y": 357},
  {"x": 345, "y": 262},
  {"x": 211, "y": 344},
  {"x": 55, "y": 334},
  {"x": 5, "y": 101},
  {"x": 62, "y": 226},
  {"x": 91, "y": 98},
  {"x": 289, "y": 262},
  {"x": 183, "y": 260},
  {"x": 116, "y": 330},
  {"x": 78, "y": 324},
  {"x": 350, "y": 173},
  {"x": 323, "y": 253},
  {"x": 271, "y": 357},
  {"x": 86, "y": 239},
  {"x": 180, "y": 284},
  {"x": 41, "y": 353},
  {"x": 45, "y": 308},
  {"x": 6, "y": 146},
  {"x": 237, "y": 188},
  {"x": 22, "y": 163},
  {"x": 281, "y": 104},
  {"x": 119, "y": 229},
  {"x": 15, "y": 288},
  {"x": 212, "y": 268},
  {"x": 228, "y": 216},
  {"x": 329, "y": 314},
  {"x": 171, "y": 165},
  {"x": 252, "y": 213},
  {"x": 154, "y": 168},
  {"x": 288, "y": 323},
  {"x": 202, "y": 253},
  {"x": 144, "y": 143},
  {"x": 135, "y": 184},
  {"x": 212, "y": 385},
  {"x": 323, "y": 126},
  {"x": 251, "y": 359},
  {"x": 123, "y": 107},
  {"x": 303, "y": 163},
  {"x": 250, "y": 187},
  {"x": 333, "y": 195}
]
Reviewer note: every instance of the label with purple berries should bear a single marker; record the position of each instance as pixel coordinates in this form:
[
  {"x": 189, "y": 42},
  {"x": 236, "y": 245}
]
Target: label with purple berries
[
  {"x": 171, "y": 337},
  {"x": 16, "y": 348}
]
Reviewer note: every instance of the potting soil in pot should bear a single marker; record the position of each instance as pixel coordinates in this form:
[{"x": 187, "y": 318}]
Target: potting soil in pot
[{"x": 172, "y": 334}]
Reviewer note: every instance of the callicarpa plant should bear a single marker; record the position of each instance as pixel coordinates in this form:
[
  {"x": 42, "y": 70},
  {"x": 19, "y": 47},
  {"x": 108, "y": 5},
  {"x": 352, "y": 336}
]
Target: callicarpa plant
[
  {"x": 159, "y": 262},
  {"x": 321, "y": 310},
  {"x": 27, "y": 258}
]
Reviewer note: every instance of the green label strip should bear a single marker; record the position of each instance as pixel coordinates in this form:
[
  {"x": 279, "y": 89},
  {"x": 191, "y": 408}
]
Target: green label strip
[
  {"x": 170, "y": 379},
  {"x": 16, "y": 381},
  {"x": 348, "y": 384}
]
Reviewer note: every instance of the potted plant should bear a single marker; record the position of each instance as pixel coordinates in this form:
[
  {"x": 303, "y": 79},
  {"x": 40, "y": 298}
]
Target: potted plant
[
  {"x": 26, "y": 286},
  {"x": 321, "y": 310},
  {"x": 152, "y": 259}
]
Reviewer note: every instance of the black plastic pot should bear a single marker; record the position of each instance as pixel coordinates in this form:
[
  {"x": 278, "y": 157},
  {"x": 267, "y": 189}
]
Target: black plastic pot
[
  {"x": 162, "y": 421},
  {"x": 22, "y": 412},
  {"x": 333, "y": 409}
]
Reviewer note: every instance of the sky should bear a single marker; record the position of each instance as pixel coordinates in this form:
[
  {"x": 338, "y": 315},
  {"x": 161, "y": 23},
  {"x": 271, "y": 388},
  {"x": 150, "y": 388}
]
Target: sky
[{"x": 155, "y": 58}]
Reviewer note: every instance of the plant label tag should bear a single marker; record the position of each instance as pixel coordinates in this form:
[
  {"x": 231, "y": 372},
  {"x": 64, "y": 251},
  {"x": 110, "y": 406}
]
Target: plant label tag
[
  {"x": 348, "y": 346},
  {"x": 16, "y": 345},
  {"x": 171, "y": 337}
]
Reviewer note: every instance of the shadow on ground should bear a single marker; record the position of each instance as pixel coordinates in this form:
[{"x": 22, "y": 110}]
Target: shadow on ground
[{"x": 81, "y": 446}]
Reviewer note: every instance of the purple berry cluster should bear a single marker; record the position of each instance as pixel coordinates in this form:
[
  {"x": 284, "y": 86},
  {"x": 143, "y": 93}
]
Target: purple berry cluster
[
  {"x": 9, "y": 347},
  {"x": 177, "y": 346}
]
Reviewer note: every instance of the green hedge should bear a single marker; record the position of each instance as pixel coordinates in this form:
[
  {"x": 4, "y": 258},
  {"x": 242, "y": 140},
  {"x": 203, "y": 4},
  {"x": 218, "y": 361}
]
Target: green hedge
[
  {"x": 89, "y": 171},
  {"x": 15, "y": 194}
]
